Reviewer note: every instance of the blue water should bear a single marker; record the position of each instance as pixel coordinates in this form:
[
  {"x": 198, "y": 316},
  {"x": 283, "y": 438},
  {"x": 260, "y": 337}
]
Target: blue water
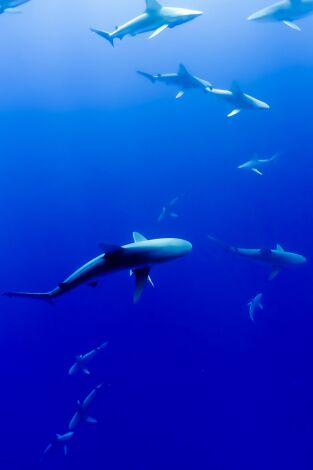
[{"x": 90, "y": 152}]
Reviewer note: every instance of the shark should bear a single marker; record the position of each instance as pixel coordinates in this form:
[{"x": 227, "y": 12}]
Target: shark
[
  {"x": 278, "y": 258},
  {"x": 8, "y": 6},
  {"x": 182, "y": 79},
  {"x": 138, "y": 257},
  {"x": 167, "y": 211},
  {"x": 82, "y": 360},
  {"x": 156, "y": 18},
  {"x": 255, "y": 303},
  {"x": 285, "y": 11},
  {"x": 238, "y": 99},
  {"x": 59, "y": 440},
  {"x": 82, "y": 407},
  {"x": 255, "y": 164}
]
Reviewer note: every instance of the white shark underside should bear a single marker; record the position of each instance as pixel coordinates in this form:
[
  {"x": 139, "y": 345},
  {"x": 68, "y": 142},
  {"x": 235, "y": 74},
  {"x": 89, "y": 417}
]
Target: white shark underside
[
  {"x": 138, "y": 257},
  {"x": 286, "y": 11},
  {"x": 277, "y": 258},
  {"x": 156, "y": 18}
]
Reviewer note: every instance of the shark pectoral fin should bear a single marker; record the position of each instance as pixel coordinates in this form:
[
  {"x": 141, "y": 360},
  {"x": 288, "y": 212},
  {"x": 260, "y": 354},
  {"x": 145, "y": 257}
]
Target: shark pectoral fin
[
  {"x": 86, "y": 371},
  {"x": 234, "y": 112},
  {"x": 138, "y": 237},
  {"x": 150, "y": 280},
  {"x": 65, "y": 450},
  {"x": 258, "y": 172},
  {"x": 179, "y": 94},
  {"x": 142, "y": 276},
  {"x": 261, "y": 306},
  {"x": 292, "y": 25},
  {"x": 274, "y": 273},
  {"x": 158, "y": 31},
  {"x": 91, "y": 420},
  {"x": 174, "y": 215}
]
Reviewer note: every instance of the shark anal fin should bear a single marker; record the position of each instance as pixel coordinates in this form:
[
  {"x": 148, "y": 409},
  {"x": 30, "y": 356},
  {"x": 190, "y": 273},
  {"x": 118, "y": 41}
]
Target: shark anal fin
[
  {"x": 142, "y": 275},
  {"x": 292, "y": 25},
  {"x": 158, "y": 31},
  {"x": 180, "y": 94},
  {"x": 234, "y": 112}
]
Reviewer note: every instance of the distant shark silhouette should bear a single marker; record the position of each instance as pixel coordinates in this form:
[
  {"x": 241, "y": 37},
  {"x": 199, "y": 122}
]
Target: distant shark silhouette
[
  {"x": 183, "y": 80},
  {"x": 82, "y": 408},
  {"x": 286, "y": 11},
  {"x": 8, "y": 6},
  {"x": 277, "y": 258},
  {"x": 255, "y": 303},
  {"x": 256, "y": 163},
  {"x": 238, "y": 99},
  {"x": 138, "y": 257},
  {"x": 83, "y": 359},
  {"x": 59, "y": 440},
  {"x": 156, "y": 18}
]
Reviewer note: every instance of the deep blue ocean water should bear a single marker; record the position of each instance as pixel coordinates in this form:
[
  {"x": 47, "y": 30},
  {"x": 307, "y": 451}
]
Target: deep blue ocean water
[{"x": 90, "y": 152}]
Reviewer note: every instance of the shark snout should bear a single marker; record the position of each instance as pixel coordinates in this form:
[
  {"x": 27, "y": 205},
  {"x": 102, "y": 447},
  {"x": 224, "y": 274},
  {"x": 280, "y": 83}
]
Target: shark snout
[{"x": 259, "y": 15}]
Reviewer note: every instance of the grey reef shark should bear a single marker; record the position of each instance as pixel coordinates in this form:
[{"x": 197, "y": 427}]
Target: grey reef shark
[
  {"x": 285, "y": 11},
  {"x": 277, "y": 258},
  {"x": 82, "y": 409},
  {"x": 238, "y": 99},
  {"x": 156, "y": 18},
  {"x": 138, "y": 257},
  {"x": 254, "y": 304},
  {"x": 60, "y": 440},
  {"x": 256, "y": 164},
  {"x": 9, "y": 6},
  {"x": 83, "y": 360},
  {"x": 183, "y": 80}
]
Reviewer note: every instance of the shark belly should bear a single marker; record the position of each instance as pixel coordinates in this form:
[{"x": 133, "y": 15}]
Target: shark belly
[{"x": 142, "y": 24}]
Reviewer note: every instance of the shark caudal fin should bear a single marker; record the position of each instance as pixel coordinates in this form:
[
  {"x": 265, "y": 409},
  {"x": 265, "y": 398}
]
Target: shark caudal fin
[
  {"x": 103, "y": 34},
  {"x": 228, "y": 248},
  {"x": 149, "y": 76},
  {"x": 46, "y": 296}
]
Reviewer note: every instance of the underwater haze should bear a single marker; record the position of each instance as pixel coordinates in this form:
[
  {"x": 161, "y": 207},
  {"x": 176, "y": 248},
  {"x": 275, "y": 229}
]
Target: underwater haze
[{"x": 91, "y": 152}]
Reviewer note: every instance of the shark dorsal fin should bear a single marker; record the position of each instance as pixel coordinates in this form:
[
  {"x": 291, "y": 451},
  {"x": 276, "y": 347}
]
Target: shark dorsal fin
[
  {"x": 235, "y": 88},
  {"x": 182, "y": 70},
  {"x": 279, "y": 248},
  {"x": 138, "y": 237},
  {"x": 152, "y": 5}
]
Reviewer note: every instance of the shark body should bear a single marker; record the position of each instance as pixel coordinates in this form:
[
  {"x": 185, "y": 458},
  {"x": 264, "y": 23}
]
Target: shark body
[
  {"x": 82, "y": 409},
  {"x": 156, "y": 18},
  {"x": 285, "y": 11},
  {"x": 8, "y": 6},
  {"x": 238, "y": 99},
  {"x": 182, "y": 79},
  {"x": 138, "y": 257},
  {"x": 254, "y": 304},
  {"x": 278, "y": 258},
  {"x": 83, "y": 360},
  {"x": 256, "y": 163}
]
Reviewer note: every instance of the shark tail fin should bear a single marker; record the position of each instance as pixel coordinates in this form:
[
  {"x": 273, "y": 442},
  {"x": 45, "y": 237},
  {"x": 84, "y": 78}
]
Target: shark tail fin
[
  {"x": 46, "y": 296},
  {"x": 225, "y": 246},
  {"x": 103, "y": 34},
  {"x": 149, "y": 76}
]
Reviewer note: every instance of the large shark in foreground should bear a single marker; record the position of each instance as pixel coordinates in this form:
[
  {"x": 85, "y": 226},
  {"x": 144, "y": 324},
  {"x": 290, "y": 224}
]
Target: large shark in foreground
[
  {"x": 83, "y": 359},
  {"x": 238, "y": 99},
  {"x": 277, "y": 258},
  {"x": 286, "y": 11},
  {"x": 82, "y": 408},
  {"x": 8, "y": 6},
  {"x": 138, "y": 257},
  {"x": 183, "y": 80},
  {"x": 256, "y": 163},
  {"x": 156, "y": 18}
]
